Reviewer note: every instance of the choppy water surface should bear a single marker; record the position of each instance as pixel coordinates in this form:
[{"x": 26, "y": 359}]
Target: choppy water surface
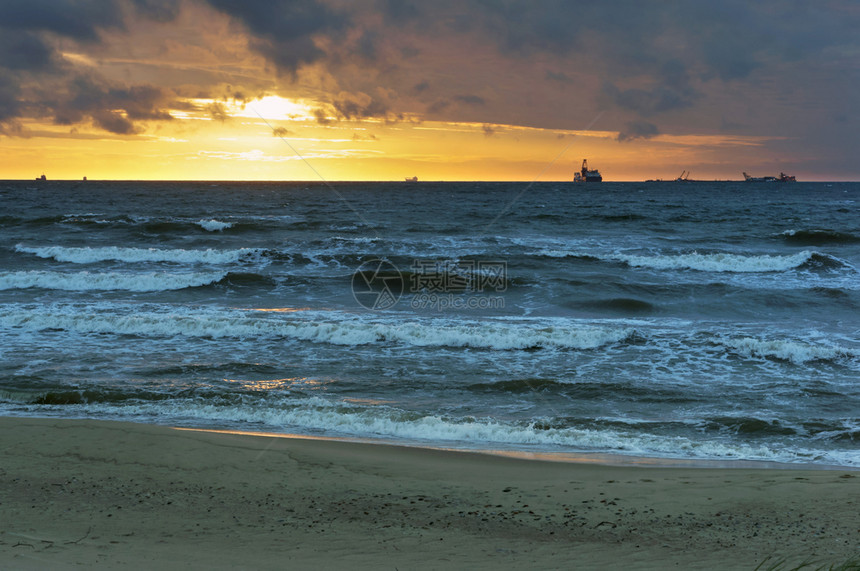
[{"x": 697, "y": 320}]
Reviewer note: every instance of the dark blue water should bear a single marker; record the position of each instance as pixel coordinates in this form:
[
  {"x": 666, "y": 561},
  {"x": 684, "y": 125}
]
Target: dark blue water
[{"x": 695, "y": 320}]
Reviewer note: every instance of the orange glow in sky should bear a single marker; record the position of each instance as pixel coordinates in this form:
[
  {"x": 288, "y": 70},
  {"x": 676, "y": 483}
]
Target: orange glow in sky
[
  {"x": 200, "y": 90},
  {"x": 276, "y": 138}
]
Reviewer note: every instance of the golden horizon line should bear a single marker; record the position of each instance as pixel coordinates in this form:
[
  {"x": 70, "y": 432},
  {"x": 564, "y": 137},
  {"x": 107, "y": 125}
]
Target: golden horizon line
[{"x": 393, "y": 180}]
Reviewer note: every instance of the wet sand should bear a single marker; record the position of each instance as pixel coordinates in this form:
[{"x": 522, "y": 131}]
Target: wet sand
[{"x": 113, "y": 495}]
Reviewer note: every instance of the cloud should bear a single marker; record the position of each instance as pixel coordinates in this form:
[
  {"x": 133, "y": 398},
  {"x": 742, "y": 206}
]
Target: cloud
[
  {"x": 438, "y": 106},
  {"x": 638, "y": 130},
  {"x": 284, "y": 31},
  {"x": 280, "y": 132},
  {"x": 774, "y": 68},
  {"x": 10, "y": 106},
  {"x": 217, "y": 111},
  {"x": 113, "y": 122},
  {"x": 347, "y": 106},
  {"x": 321, "y": 117},
  {"x": 670, "y": 90},
  {"x": 77, "y": 19},
  {"x": 22, "y": 50},
  {"x": 158, "y": 10},
  {"x": 470, "y": 100},
  {"x": 111, "y": 108},
  {"x": 561, "y": 77},
  {"x": 36, "y": 81}
]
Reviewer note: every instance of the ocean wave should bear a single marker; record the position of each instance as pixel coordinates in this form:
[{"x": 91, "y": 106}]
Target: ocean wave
[
  {"x": 792, "y": 351},
  {"x": 556, "y": 253},
  {"x": 819, "y": 237},
  {"x": 720, "y": 262},
  {"x": 107, "y": 281},
  {"x": 88, "y": 255},
  {"x": 334, "y": 330},
  {"x": 318, "y": 415},
  {"x": 214, "y": 225},
  {"x": 155, "y": 224}
]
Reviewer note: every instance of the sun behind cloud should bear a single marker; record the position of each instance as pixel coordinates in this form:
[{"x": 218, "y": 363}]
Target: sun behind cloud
[{"x": 205, "y": 89}]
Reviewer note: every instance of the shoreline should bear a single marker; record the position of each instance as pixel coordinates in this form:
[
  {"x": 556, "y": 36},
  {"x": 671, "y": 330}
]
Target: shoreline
[
  {"x": 607, "y": 459},
  {"x": 109, "y": 494}
]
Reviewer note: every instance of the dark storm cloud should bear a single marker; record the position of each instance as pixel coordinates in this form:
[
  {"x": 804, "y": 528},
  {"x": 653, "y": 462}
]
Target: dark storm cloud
[
  {"x": 638, "y": 130},
  {"x": 9, "y": 92},
  {"x": 158, "y": 10},
  {"x": 24, "y": 51},
  {"x": 671, "y": 90},
  {"x": 77, "y": 19},
  {"x": 86, "y": 96},
  {"x": 35, "y": 80},
  {"x": 354, "y": 107},
  {"x": 283, "y": 30},
  {"x": 646, "y": 63}
]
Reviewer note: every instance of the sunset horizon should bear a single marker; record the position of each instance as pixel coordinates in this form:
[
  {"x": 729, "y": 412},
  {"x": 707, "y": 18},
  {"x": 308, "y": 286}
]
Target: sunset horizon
[
  {"x": 461, "y": 284},
  {"x": 212, "y": 90}
]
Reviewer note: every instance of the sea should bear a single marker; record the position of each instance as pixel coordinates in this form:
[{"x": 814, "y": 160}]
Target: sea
[{"x": 692, "y": 321}]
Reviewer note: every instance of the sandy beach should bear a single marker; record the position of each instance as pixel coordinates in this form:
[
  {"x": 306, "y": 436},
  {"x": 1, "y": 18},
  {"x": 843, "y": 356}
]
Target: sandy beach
[{"x": 114, "y": 495}]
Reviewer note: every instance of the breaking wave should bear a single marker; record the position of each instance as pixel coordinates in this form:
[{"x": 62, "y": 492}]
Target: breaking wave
[
  {"x": 107, "y": 281},
  {"x": 792, "y": 351},
  {"x": 88, "y": 255},
  {"x": 334, "y": 330},
  {"x": 713, "y": 262},
  {"x": 315, "y": 414},
  {"x": 214, "y": 225}
]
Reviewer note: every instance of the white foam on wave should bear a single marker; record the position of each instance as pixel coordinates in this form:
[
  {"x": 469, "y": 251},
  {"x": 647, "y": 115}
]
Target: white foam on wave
[
  {"x": 106, "y": 281},
  {"x": 720, "y": 262},
  {"x": 713, "y": 262},
  {"x": 214, "y": 225},
  {"x": 334, "y": 329},
  {"x": 318, "y": 415},
  {"x": 88, "y": 255},
  {"x": 793, "y": 351}
]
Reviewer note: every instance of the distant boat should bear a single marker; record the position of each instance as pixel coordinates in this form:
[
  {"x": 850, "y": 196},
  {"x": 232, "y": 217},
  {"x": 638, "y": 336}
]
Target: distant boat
[
  {"x": 585, "y": 175},
  {"x": 781, "y": 178},
  {"x": 41, "y": 177},
  {"x": 411, "y": 179}
]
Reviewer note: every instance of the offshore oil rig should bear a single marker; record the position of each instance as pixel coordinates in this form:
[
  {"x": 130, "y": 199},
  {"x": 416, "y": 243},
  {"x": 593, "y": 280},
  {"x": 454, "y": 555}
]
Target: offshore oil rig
[
  {"x": 586, "y": 175},
  {"x": 781, "y": 178}
]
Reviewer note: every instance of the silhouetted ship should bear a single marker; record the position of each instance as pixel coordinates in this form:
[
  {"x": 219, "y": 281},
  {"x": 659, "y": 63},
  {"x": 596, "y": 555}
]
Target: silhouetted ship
[
  {"x": 781, "y": 178},
  {"x": 586, "y": 175},
  {"x": 41, "y": 177},
  {"x": 411, "y": 179}
]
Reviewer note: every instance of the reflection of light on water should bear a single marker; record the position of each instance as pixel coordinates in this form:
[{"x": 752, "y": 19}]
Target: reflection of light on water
[
  {"x": 368, "y": 401},
  {"x": 269, "y": 384},
  {"x": 279, "y": 309}
]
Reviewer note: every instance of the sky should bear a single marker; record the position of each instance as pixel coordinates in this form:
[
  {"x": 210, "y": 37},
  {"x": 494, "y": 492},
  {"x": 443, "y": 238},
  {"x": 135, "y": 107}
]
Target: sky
[{"x": 443, "y": 90}]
